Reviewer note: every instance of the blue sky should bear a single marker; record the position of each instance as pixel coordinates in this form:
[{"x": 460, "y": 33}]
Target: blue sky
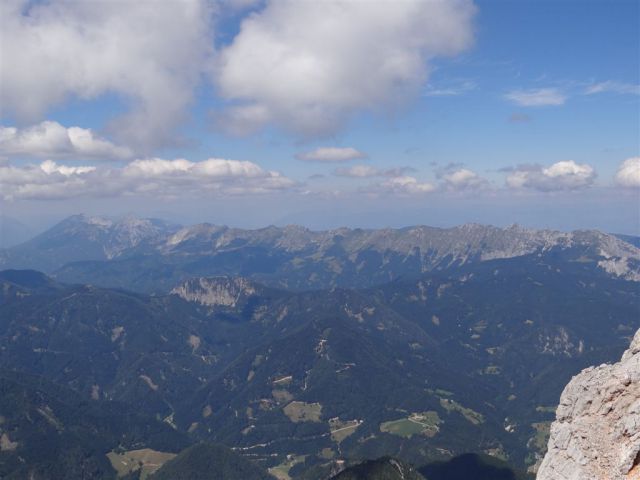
[{"x": 323, "y": 113}]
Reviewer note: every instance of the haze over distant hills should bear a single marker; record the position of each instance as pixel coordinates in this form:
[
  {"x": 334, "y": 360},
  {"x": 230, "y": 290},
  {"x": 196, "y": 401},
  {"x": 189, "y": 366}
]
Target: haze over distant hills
[{"x": 13, "y": 232}]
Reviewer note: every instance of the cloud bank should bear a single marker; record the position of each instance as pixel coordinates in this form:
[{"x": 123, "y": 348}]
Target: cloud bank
[
  {"x": 565, "y": 175},
  {"x": 155, "y": 176}
]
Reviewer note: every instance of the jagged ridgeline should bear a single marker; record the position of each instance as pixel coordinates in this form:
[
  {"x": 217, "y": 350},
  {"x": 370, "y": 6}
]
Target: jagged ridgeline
[
  {"x": 150, "y": 255},
  {"x": 463, "y": 345}
]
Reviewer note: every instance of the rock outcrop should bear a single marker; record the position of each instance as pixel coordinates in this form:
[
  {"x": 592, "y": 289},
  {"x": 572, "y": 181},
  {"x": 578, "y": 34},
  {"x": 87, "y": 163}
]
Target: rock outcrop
[
  {"x": 596, "y": 435},
  {"x": 216, "y": 291}
]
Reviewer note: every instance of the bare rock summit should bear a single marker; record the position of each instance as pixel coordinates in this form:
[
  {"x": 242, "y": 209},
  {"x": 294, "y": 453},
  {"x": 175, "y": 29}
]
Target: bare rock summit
[{"x": 596, "y": 435}]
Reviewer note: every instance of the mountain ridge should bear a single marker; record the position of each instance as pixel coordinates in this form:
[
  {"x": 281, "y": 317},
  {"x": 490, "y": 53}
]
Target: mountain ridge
[{"x": 152, "y": 256}]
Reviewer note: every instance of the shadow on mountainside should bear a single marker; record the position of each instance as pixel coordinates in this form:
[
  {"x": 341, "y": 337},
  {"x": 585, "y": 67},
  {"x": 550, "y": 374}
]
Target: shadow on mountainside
[{"x": 471, "y": 467}]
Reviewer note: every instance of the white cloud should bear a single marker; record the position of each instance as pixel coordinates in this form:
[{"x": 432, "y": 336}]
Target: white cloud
[
  {"x": 46, "y": 181},
  {"x": 463, "y": 179},
  {"x": 628, "y": 174},
  {"x": 151, "y": 54},
  {"x": 614, "y": 87},
  {"x": 308, "y": 66},
  {"x": 358, "y": 171},
  {"x": 367, "y": 171},
  {"x": 215, "y": 175},
  {"x": 50, "y": 139},
  {"x": 539, "y": 97},
  {"x": 50, "y": 167},
  {"x": 156, "y": 177},
  {"x": 565, "y": 175},
  {"x": 406, "y": 185},
  {"x": 331, "y": 154}
]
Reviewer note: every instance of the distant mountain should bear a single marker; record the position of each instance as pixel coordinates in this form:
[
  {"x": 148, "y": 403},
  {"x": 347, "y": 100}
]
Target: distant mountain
[
  {"x": 210, "y": 462},
  {"x": 382, "y": 469},
  {"x": 150, "y": 256},
  {"x": 631, "y": 239},
  {"x": 220, "y": 291},
  {"x": 29, "y": 279},
  {"x": 82, "y": 238},
  {"x": 13, "y": 232}
]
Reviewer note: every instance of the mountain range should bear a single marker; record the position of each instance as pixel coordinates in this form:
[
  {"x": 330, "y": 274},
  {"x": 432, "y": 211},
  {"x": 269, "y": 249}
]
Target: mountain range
[
  {"x": 304, "y": 352},
  {"x": 148, "y": 255}
]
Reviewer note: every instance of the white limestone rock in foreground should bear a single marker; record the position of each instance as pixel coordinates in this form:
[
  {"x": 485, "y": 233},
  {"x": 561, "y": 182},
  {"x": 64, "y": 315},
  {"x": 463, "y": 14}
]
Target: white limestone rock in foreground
[{"x": 596, "y": 435}]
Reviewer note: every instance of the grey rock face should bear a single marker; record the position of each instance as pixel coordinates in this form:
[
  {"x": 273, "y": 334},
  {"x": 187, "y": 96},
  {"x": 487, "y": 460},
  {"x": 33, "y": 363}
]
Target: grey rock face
[
  {"x": 218, "y": 291},
  {"x": 596, "y": 435}
]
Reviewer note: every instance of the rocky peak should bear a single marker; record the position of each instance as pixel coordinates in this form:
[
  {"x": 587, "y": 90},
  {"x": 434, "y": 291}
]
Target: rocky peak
[
  {"x": 596, "y": 434},
  {"x": 216, "y": 291}
]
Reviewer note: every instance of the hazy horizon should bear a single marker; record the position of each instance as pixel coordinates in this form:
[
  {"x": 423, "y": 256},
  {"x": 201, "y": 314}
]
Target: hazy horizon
[
  {"x": 34, "y": 226},
  {"x": 414, "y": 112}
]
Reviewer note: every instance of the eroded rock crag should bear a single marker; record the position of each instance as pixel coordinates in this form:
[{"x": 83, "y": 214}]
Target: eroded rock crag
[{"x": 596, "y": 435}]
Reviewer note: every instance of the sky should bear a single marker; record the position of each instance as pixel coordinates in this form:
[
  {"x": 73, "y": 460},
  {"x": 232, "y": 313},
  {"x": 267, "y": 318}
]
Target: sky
[{"x": 323, "y": 113}]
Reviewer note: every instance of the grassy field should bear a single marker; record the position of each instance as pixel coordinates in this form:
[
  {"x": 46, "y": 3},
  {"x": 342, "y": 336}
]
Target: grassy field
[
  {"x": 424, "y": 423},
  {"x": 541, "y": 437},
  {"x": 303, "y": 412},
  {"x": 453, "y": 406},
  {"x": 341, "y": 429},
  {"x": 281, "y": 395},
  {"x": 544, "y": 409},
  {"x": 281, "y": 472},
  {"x": 145, "y": 460}
]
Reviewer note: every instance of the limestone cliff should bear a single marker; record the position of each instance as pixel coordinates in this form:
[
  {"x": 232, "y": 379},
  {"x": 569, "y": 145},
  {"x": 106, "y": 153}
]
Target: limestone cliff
[
  {"x": 596, "y": 435},
  {"x": 216, "y": 291}
]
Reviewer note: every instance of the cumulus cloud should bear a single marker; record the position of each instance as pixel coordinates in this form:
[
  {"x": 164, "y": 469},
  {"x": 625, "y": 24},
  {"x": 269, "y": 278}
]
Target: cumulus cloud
[
  {"x": 463, "y": 179},
  {"x": 45, "y": 181},
  {"x": 357, "y": 171},
  {"x": 538, "y": 97},
  {"x": 305, "y": 66},
  {"x": 50, "y": 139},
  {"x": 628, "y": 174},
  {"x": 155, "y": 176},
  {"x": 613, "y": 87},
  {"x": 150, "y": 54},
  {"x": 308, "y": 66},
  {"x": 331, "y": 154},
  {"x": 50, "y": 167},
  {"x": 406, "y": 184},
  {"x": 367, "y": 171},
  {"x": 452, "y": 177},
  {"x": 565, "y": 175}
]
